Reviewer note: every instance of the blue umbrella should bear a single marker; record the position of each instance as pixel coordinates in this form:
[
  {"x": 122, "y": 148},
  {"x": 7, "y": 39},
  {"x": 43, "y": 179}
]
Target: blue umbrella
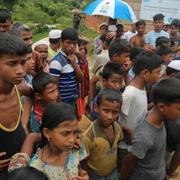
[{"x": 111, "y": 8}]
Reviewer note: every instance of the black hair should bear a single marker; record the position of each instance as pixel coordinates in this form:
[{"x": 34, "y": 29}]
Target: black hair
[
  {"x": 69, "y": 34},
  {"x": 109, "y": 95},
  {"x": 119, "y": 25},
  {"x": 17, "y": 28},
  {"x": 158, "y": 17},
  {"x": 5, "y": 15},
  {"x": 12, "y": 45},
  {"x": 146, "y": 60},
  {"x": 135, "y": 51},
  {"x": 30, "y": 50},
  {"x": 140, "y": 22},
  {"x": 104, "y": 38},
  {"x": 175, "y": 22},
  {"x": 170, "y": 71},
  {"x": 41, "y": 80},
  {"x": 54, "y": 41},
  {"x": 164, "y": 51},
  {"x": 54, "y": 114},
  {"x": 27, "y": 173},
  {"x": 160, "y": 41},
  {"x": 167, "y": 91},
  {"x": 118, "y": 46},
  {"x": 82, "y": 42},
  {"x": 111, "y": 68}
]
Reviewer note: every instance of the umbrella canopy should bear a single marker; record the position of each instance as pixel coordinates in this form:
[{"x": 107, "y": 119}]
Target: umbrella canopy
[{"x": 111, "y": 8}]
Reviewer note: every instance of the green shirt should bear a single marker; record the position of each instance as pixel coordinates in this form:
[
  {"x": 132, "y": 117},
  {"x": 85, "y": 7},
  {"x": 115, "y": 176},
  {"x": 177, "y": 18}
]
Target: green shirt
[{"x": 102, "y": 154}]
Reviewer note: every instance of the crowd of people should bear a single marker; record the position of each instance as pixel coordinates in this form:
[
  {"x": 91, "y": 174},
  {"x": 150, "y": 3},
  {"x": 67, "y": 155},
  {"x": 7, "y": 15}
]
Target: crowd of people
[{"x": 61, "y": 119}]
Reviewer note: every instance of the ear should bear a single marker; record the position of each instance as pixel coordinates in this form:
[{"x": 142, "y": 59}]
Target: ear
[
  {"x": 115, "y": 58},
  {"x": 160, "y": 106},
  {"x": 47, "y": 133},
  {"x": 145, "y": 73},
  {"x": 104, "y": 82}
]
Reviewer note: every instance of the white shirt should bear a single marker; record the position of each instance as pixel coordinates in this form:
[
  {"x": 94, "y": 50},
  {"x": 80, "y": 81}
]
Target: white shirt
[
  {"x": 134, "y": 108},
  {"x": 128, "y": 35}
]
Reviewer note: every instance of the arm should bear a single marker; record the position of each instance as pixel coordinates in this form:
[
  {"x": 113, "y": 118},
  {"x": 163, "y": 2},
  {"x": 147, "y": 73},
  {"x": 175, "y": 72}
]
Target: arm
[
  {"x": 73, "y": 60},
  {"x": 132, "y": 42},
  {"x": 127, "y": 166},
  {"x": 175, "y": 162},
  {"x": 27, "y": 105},
  {"x": 30, "y": 142},
  {"x": 92, "y": 88}
]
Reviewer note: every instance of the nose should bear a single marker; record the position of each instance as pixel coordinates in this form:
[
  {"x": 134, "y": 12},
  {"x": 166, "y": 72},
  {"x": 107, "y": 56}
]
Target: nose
[
  {"x": 71, "y": 139},
  {"x": 118, "y": 85},
  {"x": 20, "y": 70},
  {"x": 110, "y": 116}
]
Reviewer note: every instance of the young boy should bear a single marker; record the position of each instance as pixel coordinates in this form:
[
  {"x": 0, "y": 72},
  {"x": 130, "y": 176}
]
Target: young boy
[
  {"x": 146, "y": 161},
  {"x": 45, "y": 91},
  {"x": 138, "y": 39},
  {"x": 162, "y": 42},
  {"x": 147, "y": 67},
  {"x": 13, "y": 65},
  {"x": 150, "y": 39},
  {"x": 174, "y": 37},
  {"x": 5, "y": 20},
  {"x": 111, "y": 77},
  {"x": 55, "y": 43},
  {"x": 103, "y": 135},
  {"x": 65, "y": 69},
  {"x": 166, "y": 54}
]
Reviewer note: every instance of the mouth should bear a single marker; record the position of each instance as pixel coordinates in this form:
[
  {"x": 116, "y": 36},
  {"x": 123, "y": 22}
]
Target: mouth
[{"x": 19, "y": 78}]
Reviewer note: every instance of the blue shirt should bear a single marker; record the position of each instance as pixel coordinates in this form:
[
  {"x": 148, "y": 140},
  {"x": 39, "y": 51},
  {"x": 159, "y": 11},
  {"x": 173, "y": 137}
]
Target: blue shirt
[
  {"x": 151, "y": 37},
  {"x": 60, "y": 67}
]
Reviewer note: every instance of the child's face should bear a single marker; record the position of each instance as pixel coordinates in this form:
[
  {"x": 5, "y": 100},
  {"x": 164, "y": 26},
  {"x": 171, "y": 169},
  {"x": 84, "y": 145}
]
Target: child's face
[
  {"x": 63, "y": 137},
  {"x": 167, "y": 58},
  {"x": 174, "y": 30},
  {"x": 104, "y": 29},
  {"x": 69, "y": 46},
  {"x": 158, "y": 25},
  {"x": 42, "y": 51},
  {"x": 170, "y": 112},
  {"x": 141, "y": 29},
  {"x": 82, "y": 51},
  {"x": 26, "y": 36},
  {"x": 50, "y": 94},
  {"x": 122, "y": 58},
  {"x": 30, "y": 64},
  {"x": 13, "y": 69},
  {"x": 108, "y": 112},
  {"x": 114, "y": 82},
  {"x": 153, "y": 76},
  {"x": 5, "y": 26}
]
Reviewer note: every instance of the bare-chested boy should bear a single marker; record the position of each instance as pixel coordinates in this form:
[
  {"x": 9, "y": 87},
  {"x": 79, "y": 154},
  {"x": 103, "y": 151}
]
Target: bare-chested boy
[{"x": 12, "y": 62}]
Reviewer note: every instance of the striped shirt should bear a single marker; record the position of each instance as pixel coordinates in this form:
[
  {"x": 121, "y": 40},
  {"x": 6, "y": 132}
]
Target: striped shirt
[{"x": 60, "y": 67}]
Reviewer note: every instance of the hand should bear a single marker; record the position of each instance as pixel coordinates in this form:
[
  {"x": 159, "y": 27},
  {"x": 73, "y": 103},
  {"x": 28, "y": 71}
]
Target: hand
[
  {"x": 72, "y": 59},
  {"x": 5, "y": 162},
  {"x": 82, "y": 175},
  {"x": 127, "y": 65},
  {"x": 77, "y": 144},
  {"x": 111, "y": 35}
]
